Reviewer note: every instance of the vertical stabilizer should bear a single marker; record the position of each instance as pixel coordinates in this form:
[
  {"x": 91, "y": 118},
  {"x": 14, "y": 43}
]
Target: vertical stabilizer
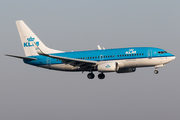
[{"x": 28, "y": 37}]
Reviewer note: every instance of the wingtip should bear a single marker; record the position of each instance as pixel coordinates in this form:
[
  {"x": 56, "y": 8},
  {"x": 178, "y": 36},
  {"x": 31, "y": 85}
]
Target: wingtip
[{"x": 18, "y": 21}]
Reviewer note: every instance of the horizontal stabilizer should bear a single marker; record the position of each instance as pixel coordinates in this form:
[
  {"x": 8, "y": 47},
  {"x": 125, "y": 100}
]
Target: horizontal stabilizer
[{"x": 20, "y": 57}]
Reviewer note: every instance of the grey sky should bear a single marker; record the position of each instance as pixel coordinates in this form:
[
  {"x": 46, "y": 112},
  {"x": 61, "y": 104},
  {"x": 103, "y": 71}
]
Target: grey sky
[{"x": 28, "y": 92}]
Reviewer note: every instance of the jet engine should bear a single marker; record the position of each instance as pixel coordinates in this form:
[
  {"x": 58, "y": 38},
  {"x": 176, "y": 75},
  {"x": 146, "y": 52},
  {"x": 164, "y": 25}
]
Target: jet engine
[{"x": 108, "y": 67}]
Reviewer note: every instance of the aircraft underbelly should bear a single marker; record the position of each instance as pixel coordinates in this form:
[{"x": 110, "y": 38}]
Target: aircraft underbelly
[
  {"x": 144, "y": 62},
  {"x": 61, "y": 67},
  {"x": 151, "y": 62}
]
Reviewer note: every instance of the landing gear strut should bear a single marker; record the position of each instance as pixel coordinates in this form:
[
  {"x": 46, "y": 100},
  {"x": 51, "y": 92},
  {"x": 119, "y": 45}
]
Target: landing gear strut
[
  {"x": 90, "y": 75},
  {"x": 101, "y": 76},
  {"x": 156, "y": 71}
]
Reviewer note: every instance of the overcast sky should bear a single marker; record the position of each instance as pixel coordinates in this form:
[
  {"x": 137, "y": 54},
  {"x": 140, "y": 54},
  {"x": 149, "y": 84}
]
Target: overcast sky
[{"x": 31, "y": 93}]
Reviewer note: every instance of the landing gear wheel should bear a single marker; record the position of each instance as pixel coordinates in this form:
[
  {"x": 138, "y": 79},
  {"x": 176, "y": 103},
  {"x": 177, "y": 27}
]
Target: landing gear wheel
[
  {"x": 101, "y": 76},
  {"x": 156, "y": 72},
  {"x": 90, "y": 75}
]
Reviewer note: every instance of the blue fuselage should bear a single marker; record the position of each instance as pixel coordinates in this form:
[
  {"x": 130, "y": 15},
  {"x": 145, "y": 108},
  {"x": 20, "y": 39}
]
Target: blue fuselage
[{"x": 103, "y": 55}]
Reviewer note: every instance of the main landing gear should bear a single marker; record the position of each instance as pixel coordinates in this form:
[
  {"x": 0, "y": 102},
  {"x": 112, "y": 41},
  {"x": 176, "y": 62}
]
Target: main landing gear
[
  {"x": 101, "y": 76},
  {"x": 91, "y": 76}
]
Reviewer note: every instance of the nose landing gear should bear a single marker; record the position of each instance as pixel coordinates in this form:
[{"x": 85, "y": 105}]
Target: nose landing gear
[{"x": 156, "y": 71}]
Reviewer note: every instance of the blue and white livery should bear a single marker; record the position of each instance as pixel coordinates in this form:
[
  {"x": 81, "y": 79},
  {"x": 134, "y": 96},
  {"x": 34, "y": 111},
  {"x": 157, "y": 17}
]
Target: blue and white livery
[{"x": 119, "y": 60}]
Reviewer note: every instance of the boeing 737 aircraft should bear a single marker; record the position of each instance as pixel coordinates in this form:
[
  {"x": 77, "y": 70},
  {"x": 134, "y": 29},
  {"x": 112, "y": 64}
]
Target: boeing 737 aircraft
[{"x": 119, "y": 60}]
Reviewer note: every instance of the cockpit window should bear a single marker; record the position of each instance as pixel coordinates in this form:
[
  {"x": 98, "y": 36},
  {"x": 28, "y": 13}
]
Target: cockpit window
[{"x": 161, "y": 52}]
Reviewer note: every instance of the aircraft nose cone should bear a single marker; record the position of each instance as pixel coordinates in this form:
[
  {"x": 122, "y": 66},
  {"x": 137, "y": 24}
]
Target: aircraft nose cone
[{"x": 172, "y": 58}]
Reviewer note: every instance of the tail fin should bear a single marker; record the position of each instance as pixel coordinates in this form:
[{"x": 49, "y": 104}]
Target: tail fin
[{"x": 27, "y": 37}]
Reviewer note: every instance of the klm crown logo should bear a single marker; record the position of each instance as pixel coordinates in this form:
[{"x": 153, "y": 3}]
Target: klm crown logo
[
  {"x": 29, "y": 43},
  {"x": 30, "y": 39},
  {"x": 108, "y": 66}
]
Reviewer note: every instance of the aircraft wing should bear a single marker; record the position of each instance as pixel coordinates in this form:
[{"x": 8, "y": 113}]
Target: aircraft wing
[
  {"x": 66, "y": 59},
  {"x": 72, "y": 61}
]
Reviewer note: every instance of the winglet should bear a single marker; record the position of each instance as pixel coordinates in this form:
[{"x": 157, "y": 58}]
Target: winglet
[{"x": 99, "y": 48}]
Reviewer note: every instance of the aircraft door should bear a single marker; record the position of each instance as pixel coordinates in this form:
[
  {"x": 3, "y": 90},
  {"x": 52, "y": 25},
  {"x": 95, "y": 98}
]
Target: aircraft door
[
  {"x": 48, "y": 61},
  {"x": 149, "y": 54},
  {"x": 101, "y": 57}
]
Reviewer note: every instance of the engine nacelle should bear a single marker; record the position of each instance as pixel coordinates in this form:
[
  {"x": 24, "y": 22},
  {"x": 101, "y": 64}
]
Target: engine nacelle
[
  {"x": 108, "y": 67},
  {"x": 126, "y": 70}
]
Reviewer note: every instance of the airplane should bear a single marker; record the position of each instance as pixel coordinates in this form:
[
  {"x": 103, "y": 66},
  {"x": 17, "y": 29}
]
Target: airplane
[{"x": 119, "y": 60}]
